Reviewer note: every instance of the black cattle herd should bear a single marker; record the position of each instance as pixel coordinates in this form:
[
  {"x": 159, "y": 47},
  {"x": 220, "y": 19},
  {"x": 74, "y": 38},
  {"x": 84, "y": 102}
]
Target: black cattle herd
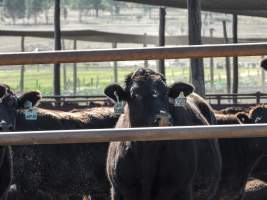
[{"x": 129, "y": 170}]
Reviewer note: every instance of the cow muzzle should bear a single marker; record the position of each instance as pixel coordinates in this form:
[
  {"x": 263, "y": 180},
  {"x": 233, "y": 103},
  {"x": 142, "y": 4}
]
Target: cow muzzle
[
  {"x": 163, "y": 119},
  {"x": 4, "y": 126}
]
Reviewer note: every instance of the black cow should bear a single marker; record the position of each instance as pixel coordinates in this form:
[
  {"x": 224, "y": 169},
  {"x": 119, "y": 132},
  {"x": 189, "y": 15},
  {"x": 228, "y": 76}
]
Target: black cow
[
  {"x": 241, "y": 156},
  {"x": 258, "y": 114},
  {"x": 209, "y": 160},
  {"x": 66, "y": 169},
  {"x": 263, "y": 63},
  {"x": 7, "y": 123},
  {"x": 160, "y": 169},
  {"x": 231, "y": 110},
  {"x": 59, "y": 171}
]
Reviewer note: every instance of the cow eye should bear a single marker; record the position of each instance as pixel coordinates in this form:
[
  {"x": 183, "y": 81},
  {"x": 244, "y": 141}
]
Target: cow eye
[
  {"x": 9, "y": 101},
  {"x": 258, "y": 119},
  {"x": 138, "y": 97},
  {"x": 155, "y": 93}
]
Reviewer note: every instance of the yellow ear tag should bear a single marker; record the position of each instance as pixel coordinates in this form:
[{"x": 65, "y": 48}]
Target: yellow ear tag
[{"x": 180, "y": 101}]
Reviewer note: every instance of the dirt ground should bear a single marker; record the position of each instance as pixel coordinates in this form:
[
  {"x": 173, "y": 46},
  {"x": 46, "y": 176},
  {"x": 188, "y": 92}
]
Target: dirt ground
[{"x": 256, "y": 190}]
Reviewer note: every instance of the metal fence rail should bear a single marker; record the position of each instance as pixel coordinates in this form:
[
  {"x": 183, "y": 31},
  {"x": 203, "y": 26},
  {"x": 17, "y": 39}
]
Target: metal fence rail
[
  {"x": 133, "y": 134},
  {"x": 156, "y": 53}
]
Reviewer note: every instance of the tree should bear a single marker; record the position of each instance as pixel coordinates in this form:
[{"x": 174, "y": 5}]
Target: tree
[
  {"x": 85, "y": 5},
  {"x": 35, "y": 7},
  {"x": 14, "y": 9}
]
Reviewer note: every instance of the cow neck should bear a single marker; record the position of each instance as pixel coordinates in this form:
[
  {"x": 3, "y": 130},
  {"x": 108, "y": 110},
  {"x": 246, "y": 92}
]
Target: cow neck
[
  {"x": 124, "y": 119},
  {"x": 187, "y": 115},
  {"x": 46, "y": 120}
]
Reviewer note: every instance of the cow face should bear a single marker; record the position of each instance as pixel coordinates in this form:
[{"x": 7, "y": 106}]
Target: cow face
[
  {"x": 263, "y": 63},
  {"x": 10, "y": 103},
  {"x": 146, "y": 97},
  {"x": 258, "y": 114}
]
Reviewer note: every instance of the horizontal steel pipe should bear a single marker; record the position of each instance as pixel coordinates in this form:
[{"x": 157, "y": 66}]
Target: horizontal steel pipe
[
  {"x": 156, "y": 53},
  {"x": 132, "y": 134}
]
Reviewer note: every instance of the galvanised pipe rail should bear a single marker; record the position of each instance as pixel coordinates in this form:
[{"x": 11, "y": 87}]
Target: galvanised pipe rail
[
  {"x": 133, "y": 134},
  {"x": 156, "y": 53}
]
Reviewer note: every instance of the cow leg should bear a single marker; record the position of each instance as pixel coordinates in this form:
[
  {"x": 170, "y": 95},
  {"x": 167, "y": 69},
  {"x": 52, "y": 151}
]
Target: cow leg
[
  {"x": 234, "y": 187},
  {"x": 97, "y": 196},
  {"x": 186, "y": 194},
  {"x": 5, "y": 171},
  {"x": 115, "y": 194},
  {"x": 5, "y": 196},
  {"x": 172, "y": 193}
]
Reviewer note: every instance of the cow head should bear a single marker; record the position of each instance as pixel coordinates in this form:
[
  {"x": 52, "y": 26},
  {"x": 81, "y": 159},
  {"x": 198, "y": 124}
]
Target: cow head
[
  {"x": 263, "y": 63},
  {"x": 10, "y": 103},
  {"x": 244, "y": 118},
  {"x": 146, "y": 97},
  {"x": 258, "y": 114}
]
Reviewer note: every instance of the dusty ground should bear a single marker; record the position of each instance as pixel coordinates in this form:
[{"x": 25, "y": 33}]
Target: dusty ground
[{"x": 256, "y": 190}]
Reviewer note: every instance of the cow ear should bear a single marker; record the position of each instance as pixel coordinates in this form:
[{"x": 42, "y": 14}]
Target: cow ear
[
  {"x": 263, "y": 63},
  {"x": 243, "y": 118},
  {"x": 3, "y": 90},
  {"x": 34, "y": 97},
  {"x": 178, "y": 87},
  {"x": 114, "y": 89}
]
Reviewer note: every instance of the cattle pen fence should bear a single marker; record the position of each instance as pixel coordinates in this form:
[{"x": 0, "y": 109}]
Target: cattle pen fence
[
  {"x": 134, "y": 134},
  {"x": 128, "y": 54},
  {"x": 217, "y": 100}
]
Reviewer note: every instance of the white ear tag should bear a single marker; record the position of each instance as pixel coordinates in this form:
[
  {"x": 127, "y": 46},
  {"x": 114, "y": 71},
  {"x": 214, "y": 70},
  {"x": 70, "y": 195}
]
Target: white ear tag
[
  {"x": 119, "y": 105},
  {"x": 119, "y": 108},
  {"x": 30, "y": 112},
  {"x": 180, "y": 101}
]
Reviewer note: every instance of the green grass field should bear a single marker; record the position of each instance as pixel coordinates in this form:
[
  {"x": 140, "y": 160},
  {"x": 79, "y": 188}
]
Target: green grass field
[{"x": 92, "y": 79}]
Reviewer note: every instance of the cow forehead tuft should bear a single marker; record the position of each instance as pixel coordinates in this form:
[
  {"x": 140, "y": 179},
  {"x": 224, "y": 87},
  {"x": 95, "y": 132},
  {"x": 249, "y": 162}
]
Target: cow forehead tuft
[
  {"x": 143, "y": 74},
  {"x": 260, "y": 109},
  {"x": 154, "y": 77}
]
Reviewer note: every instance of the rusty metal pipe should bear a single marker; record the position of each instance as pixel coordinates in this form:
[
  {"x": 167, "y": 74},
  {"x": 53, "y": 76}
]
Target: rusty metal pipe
[{"x": 156, "y": 53}]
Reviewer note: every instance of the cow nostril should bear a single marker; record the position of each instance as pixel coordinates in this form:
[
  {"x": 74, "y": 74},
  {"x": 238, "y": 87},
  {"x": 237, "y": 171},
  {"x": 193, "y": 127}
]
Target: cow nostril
[
  {"x": 5, "y": 127},
  {"x": 3, "y": 122},
  {"x": 163, "y": 119}
]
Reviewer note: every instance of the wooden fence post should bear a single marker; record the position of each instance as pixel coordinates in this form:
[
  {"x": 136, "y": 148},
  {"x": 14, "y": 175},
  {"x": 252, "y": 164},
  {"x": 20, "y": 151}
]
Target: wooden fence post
[
  {"x": 22, "y": 69},
  {"x": 64, "y": 68},
  {"x": 145, "y": 45},
  {"x": 235, "y": 59},
  {"x": 115, "y": 65},
  {"x": 194, "y": 34},
  {"x": 57, "y": 38},
  {"x": 74, "y": 70},
  {"x": 212, "y": 66},
  {"x": 227, "y": 60},
  {"x": 162, "y": 15}
]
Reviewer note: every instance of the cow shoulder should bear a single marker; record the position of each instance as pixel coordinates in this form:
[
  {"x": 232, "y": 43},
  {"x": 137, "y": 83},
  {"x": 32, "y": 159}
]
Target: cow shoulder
[
  {"x": 204, "y": 107},
  {"x": 226, "y": 119}
]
